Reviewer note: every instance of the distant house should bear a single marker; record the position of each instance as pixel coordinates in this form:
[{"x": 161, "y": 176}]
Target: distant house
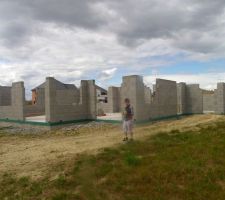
[
  {"x": 38, "y": 93},
  {"x": 101, "y": 94}
]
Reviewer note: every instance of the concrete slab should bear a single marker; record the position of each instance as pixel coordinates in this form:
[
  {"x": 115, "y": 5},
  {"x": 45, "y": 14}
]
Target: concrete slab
[
  {"x": 111, "y": 116},
  {"x": 41, "y": 118},
  {"x": 208, "y": 112}
]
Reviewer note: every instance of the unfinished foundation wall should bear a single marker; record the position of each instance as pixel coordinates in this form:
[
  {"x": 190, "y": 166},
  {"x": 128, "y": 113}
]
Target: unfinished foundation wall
[
  {"x": 181, "y": 98},
  {"x": 5, "y": 96},
  {"x": 14, "y": 111},
  {"x": 209, "y": 102},
  {"x": 59, "y": 107},
  {"x": 133, "y": 88},
  {"x": 189, "y": 98},
  {"x": 148, "y": 95},
  {"x": 114, "y": 99},
  {"x": 194, "y": 99},
  {"x": 67, "y": 97},
  {"x": 164, "y": 103},
  {"x": 34, "y": 110},
  {"x": 220, "y": 98},
  {"x": 40, "y": 96},
  {"x": 38, "y": 108},
  {"x": 103, "y": 108},
  {"x": 113, "y": 104}
]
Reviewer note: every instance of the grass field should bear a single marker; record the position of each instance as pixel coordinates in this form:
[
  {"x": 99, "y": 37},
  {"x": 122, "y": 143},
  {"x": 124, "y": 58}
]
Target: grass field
[{"x": 171, "y": 165}]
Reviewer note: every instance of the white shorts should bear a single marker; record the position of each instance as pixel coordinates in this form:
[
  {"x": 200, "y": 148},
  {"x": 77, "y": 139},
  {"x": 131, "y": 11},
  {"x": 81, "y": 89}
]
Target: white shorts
[{"x": 128, "y": 126}]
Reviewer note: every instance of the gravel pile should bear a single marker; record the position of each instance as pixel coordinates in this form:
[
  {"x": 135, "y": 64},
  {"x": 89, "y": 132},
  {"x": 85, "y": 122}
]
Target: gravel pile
[
  {"x": 90, "y": 125},
  {"x": 8, "y": 128},
  {"x": 75, "y": 128}
]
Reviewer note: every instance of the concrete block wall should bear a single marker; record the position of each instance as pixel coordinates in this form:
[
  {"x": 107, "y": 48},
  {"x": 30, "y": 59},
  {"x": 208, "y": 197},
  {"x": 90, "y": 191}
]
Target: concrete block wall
[
  {"x": 133, "y": 88},
  {"x": 34, "y": 110},
  {"x": 142, "y": 108},
  {"x": 113, "y": 104},
  {"x": 18, "y": 99},
  {"x": 164, "y": 102},
  {"x": 103, "y": 108},
  {"x": 209, "y": 102},
  {"x": 194, "y": 99},
  {"x": 190, "y": 99},
  {"x": 15, "y": 111},
  {"x": 114, "y": 99},
  {"x": 181, "y": 98},
  {"x": 40, "y": 96},
  {"x": 39, "y": 107},
  {"x": 220, "y": 98},
  {"x": 5, "y": 96},
  {"x": 91, "y": 99},
  {"x": 62, "y": 104},
  {"x": 66, "y": 97},
  {"x": 148, "y": 95},
  {"x": 62, "y": 110}
]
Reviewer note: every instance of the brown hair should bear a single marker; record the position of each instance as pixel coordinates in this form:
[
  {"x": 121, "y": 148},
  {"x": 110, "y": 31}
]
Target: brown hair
[{"x": 127, "y": 100}]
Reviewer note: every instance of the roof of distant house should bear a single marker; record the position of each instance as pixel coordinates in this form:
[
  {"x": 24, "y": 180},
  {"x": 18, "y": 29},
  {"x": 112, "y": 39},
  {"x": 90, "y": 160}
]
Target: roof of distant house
[
  {"x": 59, "y": 86},
  {"x": 100, "y": 88}
]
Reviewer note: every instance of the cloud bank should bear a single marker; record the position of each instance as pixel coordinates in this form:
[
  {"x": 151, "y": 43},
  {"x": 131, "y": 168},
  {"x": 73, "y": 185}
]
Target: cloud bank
[{"x": 79, "y": 39}]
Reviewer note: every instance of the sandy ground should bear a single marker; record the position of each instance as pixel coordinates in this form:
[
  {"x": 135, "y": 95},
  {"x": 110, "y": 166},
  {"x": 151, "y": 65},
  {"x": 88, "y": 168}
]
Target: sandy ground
[{"x": 34, "y": 155}]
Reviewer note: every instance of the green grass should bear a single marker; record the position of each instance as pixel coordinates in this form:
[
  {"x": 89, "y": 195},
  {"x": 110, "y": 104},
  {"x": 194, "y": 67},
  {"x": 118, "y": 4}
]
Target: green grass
[{"x": 168, "y": 166}]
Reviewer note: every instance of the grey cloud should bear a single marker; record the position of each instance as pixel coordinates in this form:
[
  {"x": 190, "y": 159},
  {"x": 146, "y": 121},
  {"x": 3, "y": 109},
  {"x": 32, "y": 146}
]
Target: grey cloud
[
  {"x": 204, "y": 42},
  {"x": 15, "y": 33},
  {"x": 159, "y": 19},
  {"x": 72, "y": 12},
  {"x": 82, "y": 39},
  {"x": 21, "y": 19},
  {"x": 133, "y": 21},
  {"x": 188, "y": 25}
]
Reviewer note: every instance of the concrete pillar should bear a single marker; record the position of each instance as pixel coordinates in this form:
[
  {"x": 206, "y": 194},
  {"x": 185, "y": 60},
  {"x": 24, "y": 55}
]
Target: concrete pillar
[
  {"x": 209, "y": 104},
  {"x": 220, "y": 98},
  {"x": 194, "y": 99},
  {"x": 88, "y": 98},
  {"x": 181, "y": 98},
  {"x": 50, "y": 99},
  {"x": 133, "y": 88},
  {"x": 1, "y": 96},
  {"x": 57, "y": 109},
  {"x": 148, "y": 95},
  {"x": 165, "y": 99},
  {"x": 114, "y": 99},
  {"x": 84, "y": 95},
  {"x": 40, "y": 97},
  {"x": 18, "y": 100},
  {"x": 91, "y": 100}
]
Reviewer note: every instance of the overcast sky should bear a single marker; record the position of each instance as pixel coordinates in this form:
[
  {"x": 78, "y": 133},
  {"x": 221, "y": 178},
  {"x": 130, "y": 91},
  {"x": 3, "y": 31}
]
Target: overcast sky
[{"x": 183, "y": 40}]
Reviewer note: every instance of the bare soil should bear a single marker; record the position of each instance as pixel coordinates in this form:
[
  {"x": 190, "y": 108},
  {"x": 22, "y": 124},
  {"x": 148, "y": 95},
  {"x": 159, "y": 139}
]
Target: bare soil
[{"x": 33, "y": 154}]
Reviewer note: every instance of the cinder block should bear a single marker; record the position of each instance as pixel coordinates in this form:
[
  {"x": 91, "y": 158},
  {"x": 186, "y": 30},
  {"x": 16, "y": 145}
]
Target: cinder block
[
  {"x": 220, "y": 98},
  {"x": 15, "y": 110},
  {"x": 61, "y": 107}
]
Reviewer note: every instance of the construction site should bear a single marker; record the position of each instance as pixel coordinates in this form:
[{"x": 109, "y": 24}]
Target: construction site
[
  {"x": 57, "y": 104},
  {"x": 45, "y": 138}
]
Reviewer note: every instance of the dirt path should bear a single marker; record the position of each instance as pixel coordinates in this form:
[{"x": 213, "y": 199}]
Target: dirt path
[{"x": 33, "y": 155}]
